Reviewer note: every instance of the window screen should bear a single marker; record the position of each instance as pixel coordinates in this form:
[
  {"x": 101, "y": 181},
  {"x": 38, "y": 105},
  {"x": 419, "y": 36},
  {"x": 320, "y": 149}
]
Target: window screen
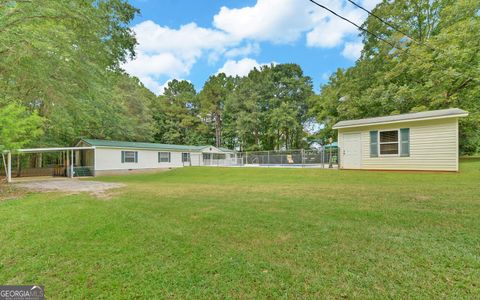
[
  {"x": 388, "y": 142},
  {"x": 218, "y": 156},
  {"x": 129, "y": 156},
  {"x": 164, "y": 157}
]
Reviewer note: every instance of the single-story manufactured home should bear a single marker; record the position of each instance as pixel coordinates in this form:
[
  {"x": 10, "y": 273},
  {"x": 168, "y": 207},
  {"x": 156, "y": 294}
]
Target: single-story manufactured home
[
  {"x": 115, "y": 156},
  {"x": 92, "y": 157},
  {"x": 414, "y": 141}
]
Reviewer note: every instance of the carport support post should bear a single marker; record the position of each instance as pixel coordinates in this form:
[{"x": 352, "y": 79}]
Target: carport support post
[
  {"x": 9, "y": 169},
  {"x": 71, "y": 163}
]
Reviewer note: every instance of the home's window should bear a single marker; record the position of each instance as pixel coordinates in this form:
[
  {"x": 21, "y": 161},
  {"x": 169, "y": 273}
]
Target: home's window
[
  {"x": 389, "y": 142},
  {"x": 185, "y": 157},
  {"x": 206, "y": 156},
  {"x": 164, "y": 157},
  {"x": 129, "y": 156},
  {"x": 218, "y": 156}
]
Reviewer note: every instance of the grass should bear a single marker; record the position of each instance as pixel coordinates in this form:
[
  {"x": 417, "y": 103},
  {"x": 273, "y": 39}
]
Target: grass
[{"x": 252, "y": 233}]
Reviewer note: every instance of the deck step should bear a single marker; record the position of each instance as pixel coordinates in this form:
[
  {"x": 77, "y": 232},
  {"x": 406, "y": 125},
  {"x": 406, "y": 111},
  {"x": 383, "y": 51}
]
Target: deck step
[{"x": 82, "y": 171}]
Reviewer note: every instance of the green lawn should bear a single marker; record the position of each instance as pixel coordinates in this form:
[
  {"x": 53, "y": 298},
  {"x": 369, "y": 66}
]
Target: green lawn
[{"x": 252, "y": 233}]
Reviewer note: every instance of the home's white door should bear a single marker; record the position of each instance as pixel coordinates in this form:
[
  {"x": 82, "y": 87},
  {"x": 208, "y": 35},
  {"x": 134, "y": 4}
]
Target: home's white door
[{"x": 352, "y": 151}]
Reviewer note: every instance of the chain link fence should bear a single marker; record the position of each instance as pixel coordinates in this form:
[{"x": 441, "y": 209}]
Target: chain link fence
[{"x": 325, "y": 158}]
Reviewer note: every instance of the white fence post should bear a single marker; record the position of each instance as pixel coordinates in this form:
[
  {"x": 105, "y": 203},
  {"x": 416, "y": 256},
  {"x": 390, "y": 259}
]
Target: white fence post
[
  {"x": 303, "y": 157},
  {"x": 71, "y": 164}
]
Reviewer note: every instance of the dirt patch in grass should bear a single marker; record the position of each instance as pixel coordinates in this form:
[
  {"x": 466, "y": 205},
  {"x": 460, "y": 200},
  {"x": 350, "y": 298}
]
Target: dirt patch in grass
[
  {"x": 422, "y": 198},
  {"x": 74, "y": 186},
  {"x": 9, "y": 192}
]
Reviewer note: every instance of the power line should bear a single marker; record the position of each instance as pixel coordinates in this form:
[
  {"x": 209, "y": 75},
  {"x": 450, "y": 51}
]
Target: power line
[
  {"x": 380, "y": 19},
  {"x": 394, "y": 27},
  {"x": 356, "y": 25},
  {"x": 373, "y": 34}
]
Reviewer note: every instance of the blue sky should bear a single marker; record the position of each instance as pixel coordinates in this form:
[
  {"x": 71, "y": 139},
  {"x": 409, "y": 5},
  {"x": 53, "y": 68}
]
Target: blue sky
[{"x": 187, "y": 39}]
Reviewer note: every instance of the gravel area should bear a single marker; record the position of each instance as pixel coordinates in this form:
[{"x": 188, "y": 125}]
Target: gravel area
[{"x": 70, "y": 186}]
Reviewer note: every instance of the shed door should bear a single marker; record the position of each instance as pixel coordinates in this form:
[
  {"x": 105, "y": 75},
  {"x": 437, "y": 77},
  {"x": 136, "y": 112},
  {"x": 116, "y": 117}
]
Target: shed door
[{"x": 352, "y": 153}]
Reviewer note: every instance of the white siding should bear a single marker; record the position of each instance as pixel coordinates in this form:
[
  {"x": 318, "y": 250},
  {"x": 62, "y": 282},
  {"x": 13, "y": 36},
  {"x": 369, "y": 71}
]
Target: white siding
[
  {"x": 433, "y": 146},
  {"x": 111, "y": 159},
  {"x": 196, "y": 159}
]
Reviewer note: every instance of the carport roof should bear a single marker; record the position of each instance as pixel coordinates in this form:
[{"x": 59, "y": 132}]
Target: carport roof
[{"x": 426, "y": 115}]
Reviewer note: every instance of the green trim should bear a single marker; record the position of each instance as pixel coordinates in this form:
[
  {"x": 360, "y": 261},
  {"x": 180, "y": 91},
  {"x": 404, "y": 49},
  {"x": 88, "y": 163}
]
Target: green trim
[
  {"x": 142, "y": 145},
  {"x": 374, "y": 143},
  {"x": 404, "y": 142}
]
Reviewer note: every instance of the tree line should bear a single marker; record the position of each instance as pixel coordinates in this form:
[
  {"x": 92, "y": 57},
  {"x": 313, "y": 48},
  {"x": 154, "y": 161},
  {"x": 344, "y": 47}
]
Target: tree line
[
  {"x": 61, "y": 79},
  {"x": 262, "y": 111},
  {"x": 435, "y": 64}
]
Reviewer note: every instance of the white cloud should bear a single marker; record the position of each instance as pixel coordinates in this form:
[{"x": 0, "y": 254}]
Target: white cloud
[
  {"x": 352, "y": 50},
  {"x": 329, "y": 30},
  {"x": 284, "y": 21},
  {"x": 277, "y": 21},
  {"x": 164, "y": 52},
  {"x": 240, "y": 68},
  {"x": 165, "y": 63},
  {"x": 251, "y": 48},
  {"x": 188, "y": 41},
  {"x": 153, "y": 85},
  {"x": 370, "y": 4}
]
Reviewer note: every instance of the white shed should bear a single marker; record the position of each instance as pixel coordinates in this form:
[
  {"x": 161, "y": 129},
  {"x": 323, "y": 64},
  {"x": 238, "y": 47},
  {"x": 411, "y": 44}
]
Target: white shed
[{"x": 414, "y": 141}]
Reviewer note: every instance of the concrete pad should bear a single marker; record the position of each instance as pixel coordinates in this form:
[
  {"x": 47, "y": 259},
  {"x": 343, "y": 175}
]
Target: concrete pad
[{"x": 69, "y": 186}]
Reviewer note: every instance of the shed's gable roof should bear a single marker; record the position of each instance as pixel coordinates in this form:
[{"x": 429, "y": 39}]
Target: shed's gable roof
[
  {"x": 142, "y": 145},
  {"x": 433, "y": 114}
]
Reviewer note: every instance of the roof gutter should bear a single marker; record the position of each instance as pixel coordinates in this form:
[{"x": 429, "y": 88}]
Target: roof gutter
[{"x": 151, "y": 149}]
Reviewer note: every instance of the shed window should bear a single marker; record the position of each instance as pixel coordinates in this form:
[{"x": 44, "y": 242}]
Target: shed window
[
  {"x": 389, "y": 142},
  {"x": 164, "y": 157},
  {"x": 129, "y": 156},
  {"x": 185, "y": 157}
]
